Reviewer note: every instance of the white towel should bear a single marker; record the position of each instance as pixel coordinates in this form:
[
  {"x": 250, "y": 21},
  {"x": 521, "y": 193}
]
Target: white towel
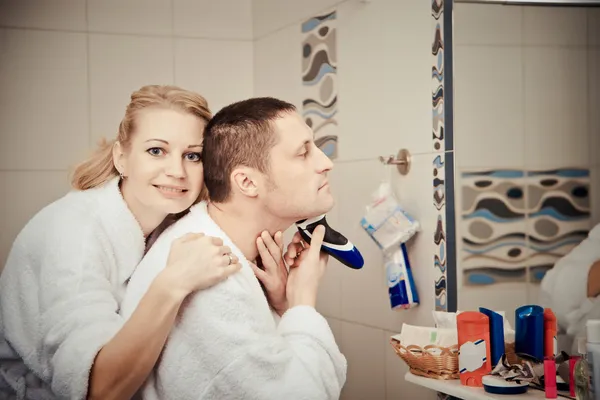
[
  {"x": 226, "y": 344},
  {"x": 564, "y": 287}
]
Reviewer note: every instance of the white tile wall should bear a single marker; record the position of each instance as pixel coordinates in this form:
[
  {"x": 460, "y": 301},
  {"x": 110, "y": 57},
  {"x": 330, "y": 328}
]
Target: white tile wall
[
  {"x": 364, "y": 350},
  {"x": 593, "y": 24},
  {"x": 278, "y": 65},
  {"x": 555, "y": 26},
  {"x": 504, "y": 297},
  {"x": 384, "y": 79},
  {"x": 489, "y": 117},
  {"x": 119, "y": 65},
  {"x": 25, "y": 193},
  {"x": 44, "y": 113},
  {"x": 487, "y": 24},
  {"x": 269, "y": 16},
  {"x": 556, "y": 111},
  {"x": 364, "y": 293},
  {"x": 65, "y": 15},
  {"x": 142, "y": 17},
  {"x": 224, "y": 19},
  {"x": 198, "y": 61}
]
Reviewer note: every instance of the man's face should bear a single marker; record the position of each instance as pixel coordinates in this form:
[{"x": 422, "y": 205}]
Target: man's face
[{"x": 296, "y": 184}]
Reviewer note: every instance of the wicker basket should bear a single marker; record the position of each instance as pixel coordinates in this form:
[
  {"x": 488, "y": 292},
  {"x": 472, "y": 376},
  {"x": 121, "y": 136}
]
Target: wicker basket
[
  {"x": 422, "y": 362},
  {"x": 441, "y": 365}
]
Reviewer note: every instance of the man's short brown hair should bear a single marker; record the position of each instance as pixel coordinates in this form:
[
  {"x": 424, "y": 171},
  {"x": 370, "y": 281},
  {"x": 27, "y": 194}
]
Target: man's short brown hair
[{"x": 240, "y": 134}]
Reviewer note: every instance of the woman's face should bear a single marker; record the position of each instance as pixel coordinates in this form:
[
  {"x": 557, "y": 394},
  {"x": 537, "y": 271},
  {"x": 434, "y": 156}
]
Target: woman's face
[{"x": 162, "y": 165}]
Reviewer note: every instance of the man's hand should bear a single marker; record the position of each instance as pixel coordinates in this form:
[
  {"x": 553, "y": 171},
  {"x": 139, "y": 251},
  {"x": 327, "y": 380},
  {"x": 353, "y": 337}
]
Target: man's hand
[
  {"x": 307, "y": 267},
  {"x": 593, "y": 289},
  {"x": 274, "y": 276}
]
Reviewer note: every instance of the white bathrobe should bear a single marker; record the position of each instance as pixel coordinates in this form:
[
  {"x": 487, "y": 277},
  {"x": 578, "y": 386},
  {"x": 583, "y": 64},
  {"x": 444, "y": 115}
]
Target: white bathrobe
[
  {"x": 564, "y": 287},
  {"x": 226, "y": 344},
  {"x": 63, "y": 282}
]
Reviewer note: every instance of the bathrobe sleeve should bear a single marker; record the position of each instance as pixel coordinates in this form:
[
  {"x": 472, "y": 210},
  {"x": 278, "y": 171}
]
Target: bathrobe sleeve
[
  {"x": 564, "y": 287},
  {"x": 78, "y": 307}
]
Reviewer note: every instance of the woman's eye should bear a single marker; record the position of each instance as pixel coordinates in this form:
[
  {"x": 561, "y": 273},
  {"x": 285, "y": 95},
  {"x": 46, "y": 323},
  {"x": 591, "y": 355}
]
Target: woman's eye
[
  {"x": 155, "y": 151},
  {"x": 195, "y": 157}
]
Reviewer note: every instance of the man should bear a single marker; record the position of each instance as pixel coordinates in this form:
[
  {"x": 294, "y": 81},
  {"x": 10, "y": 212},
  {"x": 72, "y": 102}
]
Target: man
[
  {"x": 572, "y": 286},
  {"x": 263, "y": 172}
]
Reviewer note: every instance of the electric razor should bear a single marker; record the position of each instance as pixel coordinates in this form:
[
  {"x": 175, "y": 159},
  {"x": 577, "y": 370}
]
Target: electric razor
[{"x": 334, "y": 243}]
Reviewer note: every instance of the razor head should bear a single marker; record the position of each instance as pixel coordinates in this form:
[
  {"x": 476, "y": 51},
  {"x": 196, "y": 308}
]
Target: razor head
[{"x": 334, "y": 243}]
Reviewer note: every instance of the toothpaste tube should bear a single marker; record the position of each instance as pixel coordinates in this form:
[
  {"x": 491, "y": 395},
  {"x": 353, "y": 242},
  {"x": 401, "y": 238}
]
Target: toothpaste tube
[{"x": 401, "y": 285}]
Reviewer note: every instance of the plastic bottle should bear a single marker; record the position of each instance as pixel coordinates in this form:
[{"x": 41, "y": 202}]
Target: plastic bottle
[
  {"x": 474, "y": 360},
  {"x": 581, "y": 373},
  {"x": 593, "y": 356},
  {"x": 529, "y": 331},
  {"x": 550, "y": 329}
]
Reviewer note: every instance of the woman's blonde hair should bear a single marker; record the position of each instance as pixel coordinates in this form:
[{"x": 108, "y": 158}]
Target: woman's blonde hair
[{"x": 99, "y": 168}]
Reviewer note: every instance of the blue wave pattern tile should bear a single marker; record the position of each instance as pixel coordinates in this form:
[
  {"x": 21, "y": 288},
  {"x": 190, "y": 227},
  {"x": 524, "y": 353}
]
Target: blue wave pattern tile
[
  {"x": 319, "y": 80},
  {"x": 516, "y": 224},
  {"x": 558, "y": 215},
  {"x": 493, "y": 227},
  {"x": 439, "y": 189}
]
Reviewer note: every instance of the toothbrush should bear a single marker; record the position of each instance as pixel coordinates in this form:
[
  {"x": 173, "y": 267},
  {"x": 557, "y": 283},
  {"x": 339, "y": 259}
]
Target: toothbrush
[{"x": 334, "y": 243}]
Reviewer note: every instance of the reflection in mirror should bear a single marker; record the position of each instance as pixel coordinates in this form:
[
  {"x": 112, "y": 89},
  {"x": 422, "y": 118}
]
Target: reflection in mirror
[{"x": 527, "y": 132}]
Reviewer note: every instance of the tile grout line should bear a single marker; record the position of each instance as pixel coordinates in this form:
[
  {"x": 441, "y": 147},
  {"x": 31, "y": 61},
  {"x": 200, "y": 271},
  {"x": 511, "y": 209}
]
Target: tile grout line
[
  {"x": 130, "y": 34},
  {"x": 297, "y": 21}
]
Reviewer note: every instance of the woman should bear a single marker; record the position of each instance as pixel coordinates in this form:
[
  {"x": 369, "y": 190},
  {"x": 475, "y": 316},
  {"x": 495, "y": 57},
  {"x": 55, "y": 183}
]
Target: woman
[
  {"x": 572, "y": 288},
  {"x": 68, "y": 268}
]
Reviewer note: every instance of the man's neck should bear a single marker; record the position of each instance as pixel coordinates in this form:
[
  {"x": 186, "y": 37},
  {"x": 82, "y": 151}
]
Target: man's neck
[{"x": 243, "y": 225}]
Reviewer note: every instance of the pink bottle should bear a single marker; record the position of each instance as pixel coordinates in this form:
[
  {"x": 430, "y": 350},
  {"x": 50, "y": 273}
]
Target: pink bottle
[
  {"x": 474, "y": 359},
  {"x": 550, "y": 329}
]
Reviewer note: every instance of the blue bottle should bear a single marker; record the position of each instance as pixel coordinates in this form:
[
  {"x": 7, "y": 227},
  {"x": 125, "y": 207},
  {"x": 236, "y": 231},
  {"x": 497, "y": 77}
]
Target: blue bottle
[
  {"x": 401, "y": 285},
  {"x": 496, "y": 335},
  {"x": 529, "y": 331}
]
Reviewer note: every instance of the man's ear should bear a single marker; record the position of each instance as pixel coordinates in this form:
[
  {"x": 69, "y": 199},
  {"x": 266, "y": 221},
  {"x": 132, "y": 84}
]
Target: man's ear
[
  {"x": 245, "y": 180},
  {"x": 119, "y": 159}
]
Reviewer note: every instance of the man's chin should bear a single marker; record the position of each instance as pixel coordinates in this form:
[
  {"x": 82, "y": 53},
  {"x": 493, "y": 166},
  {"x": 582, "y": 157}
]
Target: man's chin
[{"x": 323, "y": 208}]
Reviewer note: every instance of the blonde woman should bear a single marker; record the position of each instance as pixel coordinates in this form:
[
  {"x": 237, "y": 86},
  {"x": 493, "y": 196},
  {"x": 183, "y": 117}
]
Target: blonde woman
[{"x": 67, "y": 271}]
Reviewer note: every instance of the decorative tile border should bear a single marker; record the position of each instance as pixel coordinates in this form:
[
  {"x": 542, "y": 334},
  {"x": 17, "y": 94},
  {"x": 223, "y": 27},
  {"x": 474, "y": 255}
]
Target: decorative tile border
[
  {"x": 516, "y": 224},
  {"x": 319, "y": 80},
  {"x": 558, "y": 216},
  {"x": 443, "y": 162}
]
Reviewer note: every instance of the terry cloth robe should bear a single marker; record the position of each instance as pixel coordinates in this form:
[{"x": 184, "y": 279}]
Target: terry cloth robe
[
  {"x": 63, "y": 282},
  {"x": 564, "y": 287},
  {"x": 226, "y": 344}
]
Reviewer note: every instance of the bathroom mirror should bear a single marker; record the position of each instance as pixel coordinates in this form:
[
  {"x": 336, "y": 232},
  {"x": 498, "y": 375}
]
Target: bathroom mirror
[{"x": 527, "y": 134}]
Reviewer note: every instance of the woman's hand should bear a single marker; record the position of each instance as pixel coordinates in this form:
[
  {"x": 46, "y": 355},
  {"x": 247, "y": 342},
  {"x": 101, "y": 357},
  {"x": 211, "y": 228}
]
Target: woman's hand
[
  {"x": 274, "y": 274},
  {"x": 197, "y": 262}
]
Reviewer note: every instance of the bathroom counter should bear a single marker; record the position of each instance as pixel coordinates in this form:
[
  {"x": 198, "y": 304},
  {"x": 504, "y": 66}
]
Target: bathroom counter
[{"x": 454, "y": 388}]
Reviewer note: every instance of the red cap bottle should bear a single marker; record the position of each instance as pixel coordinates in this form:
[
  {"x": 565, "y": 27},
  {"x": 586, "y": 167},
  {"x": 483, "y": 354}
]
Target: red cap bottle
[
  {"x": 550, "y": 330},
  {"x": 474, "y": 359}
]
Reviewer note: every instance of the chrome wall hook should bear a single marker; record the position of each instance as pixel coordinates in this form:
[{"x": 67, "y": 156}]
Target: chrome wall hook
[{"x": 402, "y": 161}]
